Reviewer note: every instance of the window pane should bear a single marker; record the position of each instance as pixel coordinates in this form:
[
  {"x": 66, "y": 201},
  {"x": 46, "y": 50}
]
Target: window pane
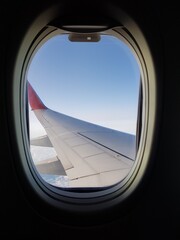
[{"x": 85, "y": 135}]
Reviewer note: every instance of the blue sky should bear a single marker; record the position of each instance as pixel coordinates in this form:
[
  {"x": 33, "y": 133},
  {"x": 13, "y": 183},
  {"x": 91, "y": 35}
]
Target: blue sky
[{"x": 96, "y": 82}]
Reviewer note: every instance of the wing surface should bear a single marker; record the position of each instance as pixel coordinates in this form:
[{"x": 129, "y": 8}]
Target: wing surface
[{"x": 91, "y": 155}]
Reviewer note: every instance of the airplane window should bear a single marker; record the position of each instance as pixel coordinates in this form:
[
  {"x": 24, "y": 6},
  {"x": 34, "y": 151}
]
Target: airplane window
[{"x": 84, "y": 98}]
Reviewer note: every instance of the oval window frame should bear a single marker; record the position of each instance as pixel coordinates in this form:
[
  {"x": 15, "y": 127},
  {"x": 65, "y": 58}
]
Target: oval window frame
[{"x": 94, "y": 200}]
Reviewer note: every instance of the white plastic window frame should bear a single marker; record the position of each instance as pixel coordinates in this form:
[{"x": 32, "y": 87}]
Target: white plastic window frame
[{"x": 112, "y": 195}]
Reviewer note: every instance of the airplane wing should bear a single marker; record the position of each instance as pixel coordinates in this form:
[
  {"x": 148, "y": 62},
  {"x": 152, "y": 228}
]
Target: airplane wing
[{"x": 90, "y": 155}]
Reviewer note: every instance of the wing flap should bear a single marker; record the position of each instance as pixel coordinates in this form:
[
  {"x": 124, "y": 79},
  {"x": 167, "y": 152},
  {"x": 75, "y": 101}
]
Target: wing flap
[
  {"x": 81, "y": 171},
  {"x": 103, "y": 179},
  {"x": 50, "y": 166},
  {"x": 41, "y": 141}
]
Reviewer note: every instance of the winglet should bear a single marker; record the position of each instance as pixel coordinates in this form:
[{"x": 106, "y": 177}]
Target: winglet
[{"x": 34, "y": 100}]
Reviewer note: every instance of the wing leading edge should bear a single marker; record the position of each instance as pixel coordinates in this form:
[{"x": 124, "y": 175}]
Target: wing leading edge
[{"x": 91, "y": 155}]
